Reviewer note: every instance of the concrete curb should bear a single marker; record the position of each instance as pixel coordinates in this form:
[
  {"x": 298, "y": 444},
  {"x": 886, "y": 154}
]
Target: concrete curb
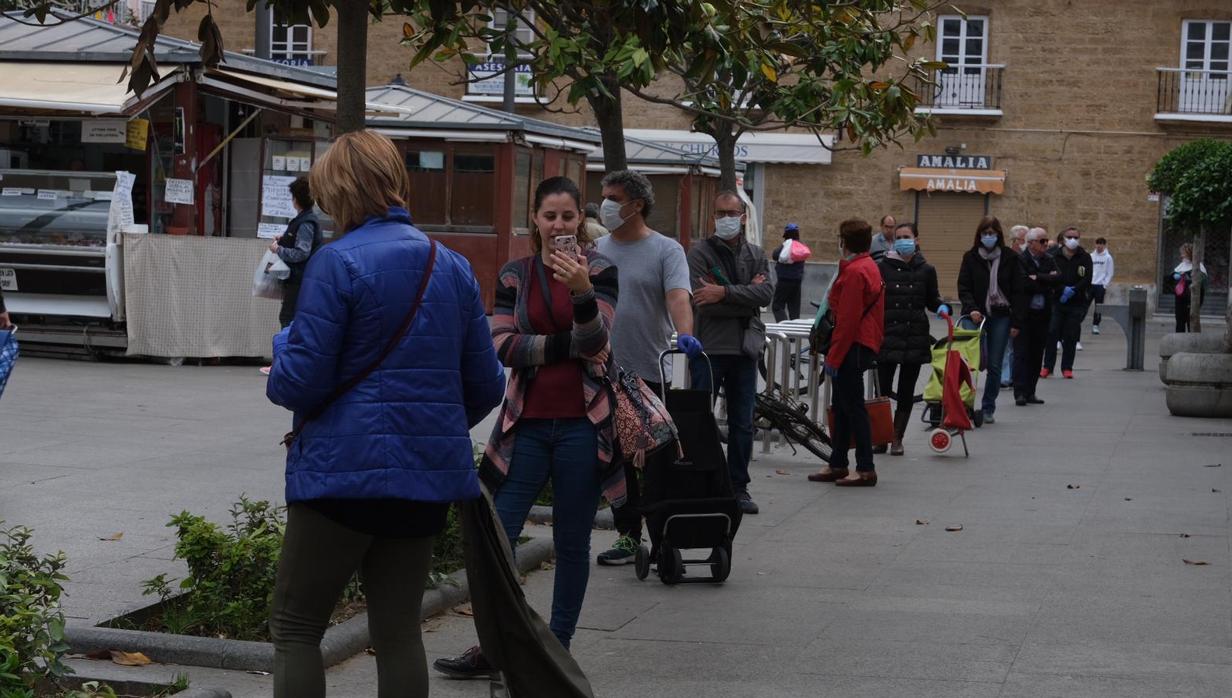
[
  {"x": 543, "y": 515},
  {"x": 341, "y": 642},
  {"x": 127, "y": 679}
]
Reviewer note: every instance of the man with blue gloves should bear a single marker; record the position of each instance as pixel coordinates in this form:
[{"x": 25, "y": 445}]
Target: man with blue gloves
[
  {"x": 731, "y": 284},
  {"x": 654, "y": 297},
  {"x": 1072, "y": 298}
]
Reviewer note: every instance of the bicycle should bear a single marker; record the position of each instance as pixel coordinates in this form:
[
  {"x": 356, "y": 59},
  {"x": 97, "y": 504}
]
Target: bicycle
[{"x": 774, "y": 410}]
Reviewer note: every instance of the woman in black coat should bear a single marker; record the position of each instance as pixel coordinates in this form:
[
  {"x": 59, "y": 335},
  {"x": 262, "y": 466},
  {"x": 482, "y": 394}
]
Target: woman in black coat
[
  {"x": 991, "y": 303},
  {"x": 910, "y": 291}
]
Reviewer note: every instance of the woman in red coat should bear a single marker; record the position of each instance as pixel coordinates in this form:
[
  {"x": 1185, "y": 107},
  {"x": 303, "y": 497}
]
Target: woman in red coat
[{"x": 857, "y": 301}]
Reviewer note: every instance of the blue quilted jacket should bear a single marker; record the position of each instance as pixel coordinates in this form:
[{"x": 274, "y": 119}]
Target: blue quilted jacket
[{"x": 404, "y": 431}]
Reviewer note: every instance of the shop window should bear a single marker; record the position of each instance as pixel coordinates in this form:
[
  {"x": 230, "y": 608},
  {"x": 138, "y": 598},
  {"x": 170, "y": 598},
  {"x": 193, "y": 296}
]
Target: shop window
[
  {"x": 521, "y": 190},
  {"x": 429, "y": 196},
  {"x": 474, "y": 177}
]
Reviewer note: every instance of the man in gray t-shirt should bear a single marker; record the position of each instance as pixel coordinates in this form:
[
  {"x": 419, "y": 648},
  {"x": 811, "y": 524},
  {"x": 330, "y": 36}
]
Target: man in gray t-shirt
[
  {"x": 655, "y": 296},
  {"x": 648, "y": 269}
]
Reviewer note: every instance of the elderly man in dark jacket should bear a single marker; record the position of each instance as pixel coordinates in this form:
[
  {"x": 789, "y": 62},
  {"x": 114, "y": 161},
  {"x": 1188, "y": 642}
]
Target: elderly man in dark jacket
[
  {"x": 910, "y": 291},
  {"x": 1034, "y": 310},
  {"x": 730, "y": 287}
]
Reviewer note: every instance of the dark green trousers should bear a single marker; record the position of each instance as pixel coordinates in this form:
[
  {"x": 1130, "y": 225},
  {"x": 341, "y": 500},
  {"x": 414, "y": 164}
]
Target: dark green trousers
[{"x": 318, "y": 558}]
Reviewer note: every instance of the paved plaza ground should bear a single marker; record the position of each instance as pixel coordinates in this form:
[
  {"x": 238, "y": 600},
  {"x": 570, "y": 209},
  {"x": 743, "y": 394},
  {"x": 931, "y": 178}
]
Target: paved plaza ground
[{"x": 1067, "y": 579}]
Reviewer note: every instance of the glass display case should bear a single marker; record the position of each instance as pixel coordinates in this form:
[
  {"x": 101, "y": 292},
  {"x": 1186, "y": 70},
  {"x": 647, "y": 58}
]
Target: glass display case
[{"x": 55, "y": 207}]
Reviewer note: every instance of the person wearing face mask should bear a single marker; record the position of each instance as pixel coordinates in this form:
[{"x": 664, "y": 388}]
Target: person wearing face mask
[
  {"x": 654, "y": 298},
  {"x": 1034, "y": 310},
  {"x": 910, "y": 291},
  {"x": 788, "y": 277},
  {"x": 857, "y": 302},
  {"x": 1070, "y": 301},
  {"x": 731, "y": 284},
  {"x": 988, "y": 280}
]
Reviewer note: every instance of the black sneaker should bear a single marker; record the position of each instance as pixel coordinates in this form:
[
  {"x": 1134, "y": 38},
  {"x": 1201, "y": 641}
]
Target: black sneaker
[
  {"x": 745, "y": 500},
  {"x": 623, "y": 552},
  {"x": 1020, "y": 401},
  {"x": 470, "y": 665},
  {"x": 1032, "y": 400}
]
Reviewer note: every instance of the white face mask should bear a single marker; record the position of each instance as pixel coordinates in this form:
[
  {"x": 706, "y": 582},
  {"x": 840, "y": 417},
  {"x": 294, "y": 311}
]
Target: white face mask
[
  {"x": 727, "y": 227},
  {"x": 1071, "y": 243},
  {"x": 609, "y": 214}
]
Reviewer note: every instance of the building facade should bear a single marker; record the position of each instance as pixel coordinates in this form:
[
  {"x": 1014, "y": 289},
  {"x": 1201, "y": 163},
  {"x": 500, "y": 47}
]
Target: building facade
[{"x": 1052, "y": 114}]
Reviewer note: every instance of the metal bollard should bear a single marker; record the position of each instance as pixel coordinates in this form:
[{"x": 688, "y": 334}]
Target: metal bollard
[
  {"x": 1135, "y": 345},
  {"x": 772, "y": 353}
]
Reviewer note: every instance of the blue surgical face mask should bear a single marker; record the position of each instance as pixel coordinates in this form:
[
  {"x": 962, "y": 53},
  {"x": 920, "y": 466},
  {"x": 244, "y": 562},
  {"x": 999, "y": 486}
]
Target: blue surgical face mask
[
  {"x": 904, "y": 247},
  {"x": 988, "y": 241}
]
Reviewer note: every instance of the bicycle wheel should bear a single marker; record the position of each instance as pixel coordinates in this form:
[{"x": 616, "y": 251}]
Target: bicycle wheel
[{"x": 792, "y": 421}]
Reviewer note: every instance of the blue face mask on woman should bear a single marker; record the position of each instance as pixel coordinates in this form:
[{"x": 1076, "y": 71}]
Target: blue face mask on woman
[
  {"x": 988, "y": 241},
  {"x": 904, "y": 247}
]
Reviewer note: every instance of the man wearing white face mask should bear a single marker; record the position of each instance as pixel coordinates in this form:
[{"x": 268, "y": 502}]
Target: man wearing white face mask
[
  {"x": 730, "y": 287},
  {"x": 654, "y": 297},
  {"x": 1070, "y": 302}
]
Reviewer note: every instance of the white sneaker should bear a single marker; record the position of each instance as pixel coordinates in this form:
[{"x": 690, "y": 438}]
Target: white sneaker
[
  {"x": 1094, "y": 329},
  {"x": 1079, "y": 346},
  {"x": 1059, "y": 347}
]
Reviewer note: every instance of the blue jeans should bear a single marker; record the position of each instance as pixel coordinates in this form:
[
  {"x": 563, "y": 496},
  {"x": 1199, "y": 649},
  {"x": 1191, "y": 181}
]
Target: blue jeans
[
  {"x": 567, "y": 452},
  {"x": 736, "y": 376},
  {"x": 1007, "y": 365},
  {"x": 996, "y": 337}
]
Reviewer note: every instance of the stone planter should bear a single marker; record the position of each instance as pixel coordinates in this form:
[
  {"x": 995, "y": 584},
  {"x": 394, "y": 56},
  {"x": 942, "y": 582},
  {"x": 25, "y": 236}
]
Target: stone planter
[
  {"x": 1190, "y": 343},
  {"x": 1200, "y": 385}
]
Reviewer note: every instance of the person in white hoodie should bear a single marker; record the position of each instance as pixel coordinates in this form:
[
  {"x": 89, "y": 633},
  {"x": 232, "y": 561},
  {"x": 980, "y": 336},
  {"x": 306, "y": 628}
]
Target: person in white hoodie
[{"x": 1101, "y": 279}]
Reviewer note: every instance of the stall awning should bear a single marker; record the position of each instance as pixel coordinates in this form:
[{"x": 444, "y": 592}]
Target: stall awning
[
  {"x": 88, "y": 88},
  {"x": 787, "y": 148},
  {"x": 955, "y": 180}
]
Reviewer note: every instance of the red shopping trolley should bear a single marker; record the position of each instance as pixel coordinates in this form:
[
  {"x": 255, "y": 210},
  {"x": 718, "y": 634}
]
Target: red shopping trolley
[{"x": 955, "y": 419}]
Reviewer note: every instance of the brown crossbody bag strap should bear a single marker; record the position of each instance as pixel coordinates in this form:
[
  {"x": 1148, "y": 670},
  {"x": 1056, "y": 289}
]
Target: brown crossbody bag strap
[{"x": 389, "y": 348}]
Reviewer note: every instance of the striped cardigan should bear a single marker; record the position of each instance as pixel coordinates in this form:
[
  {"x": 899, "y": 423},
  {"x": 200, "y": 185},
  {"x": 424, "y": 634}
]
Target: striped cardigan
[{"x": 521, "y": 349}]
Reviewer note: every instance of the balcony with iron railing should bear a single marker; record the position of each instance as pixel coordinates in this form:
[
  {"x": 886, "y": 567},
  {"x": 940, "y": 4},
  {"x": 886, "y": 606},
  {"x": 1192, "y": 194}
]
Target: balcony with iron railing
[
  {"x": 971, "y": 90},
  {"x": 1185, "y": 95}
]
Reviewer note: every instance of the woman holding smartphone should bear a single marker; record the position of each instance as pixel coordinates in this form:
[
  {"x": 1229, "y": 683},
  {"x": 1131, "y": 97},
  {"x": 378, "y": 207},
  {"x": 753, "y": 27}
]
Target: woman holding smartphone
[{"x": 553, "y": 313}]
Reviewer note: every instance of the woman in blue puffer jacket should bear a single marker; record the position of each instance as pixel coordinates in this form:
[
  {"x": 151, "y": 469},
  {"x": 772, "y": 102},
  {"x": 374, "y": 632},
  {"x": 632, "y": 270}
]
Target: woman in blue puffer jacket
[{"x": 376, "y": 457}]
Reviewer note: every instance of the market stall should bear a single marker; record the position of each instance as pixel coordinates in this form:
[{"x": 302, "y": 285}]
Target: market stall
[{"x": 85, "y": 166}]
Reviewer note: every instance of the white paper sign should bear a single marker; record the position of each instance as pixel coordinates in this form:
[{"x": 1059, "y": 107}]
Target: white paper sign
[
  {"x": 305, "y": 164},
  {"x": 50, "y": 194},
  {"x": 13, "y": 191},
  {"x": 179, "y": 191},
  {"x": 104, "y": 131},
  {"x": 120, "y": 215},
  {"x": 276, "y": 197},
  {"x": 280, "y": 163},
  {"x": 292, "y": 164},
  {"x": 270, "y": 231}
]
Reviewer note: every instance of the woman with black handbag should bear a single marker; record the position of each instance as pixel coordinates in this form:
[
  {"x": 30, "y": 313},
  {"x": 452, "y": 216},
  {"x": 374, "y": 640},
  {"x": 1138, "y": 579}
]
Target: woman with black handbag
[
  {"x": 553, "y": 313},
  {"x": 857, "y": 303}
]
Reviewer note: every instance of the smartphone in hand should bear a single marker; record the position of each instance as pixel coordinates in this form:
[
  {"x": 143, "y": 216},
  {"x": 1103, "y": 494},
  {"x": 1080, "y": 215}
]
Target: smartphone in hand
[{"x": 567, "y": 244}]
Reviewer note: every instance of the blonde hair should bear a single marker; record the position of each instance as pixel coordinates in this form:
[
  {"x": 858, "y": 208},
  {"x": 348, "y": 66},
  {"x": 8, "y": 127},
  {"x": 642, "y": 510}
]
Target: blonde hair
[{"x": 361, "y": 175}]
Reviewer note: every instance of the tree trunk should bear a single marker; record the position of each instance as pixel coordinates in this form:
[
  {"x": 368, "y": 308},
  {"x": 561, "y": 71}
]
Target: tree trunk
[
  {"x": 725, "y": 142},
  {"x": 352, "y": 65},
  {"x": 1195, "y": 293},
  {"x": 611, "y": 122}
]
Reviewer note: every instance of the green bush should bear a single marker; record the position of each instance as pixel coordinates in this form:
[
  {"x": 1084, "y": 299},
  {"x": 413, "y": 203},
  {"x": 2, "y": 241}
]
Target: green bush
[
  {"x": 32, "y": 643},
  {"x": 231, "y": 573}
]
